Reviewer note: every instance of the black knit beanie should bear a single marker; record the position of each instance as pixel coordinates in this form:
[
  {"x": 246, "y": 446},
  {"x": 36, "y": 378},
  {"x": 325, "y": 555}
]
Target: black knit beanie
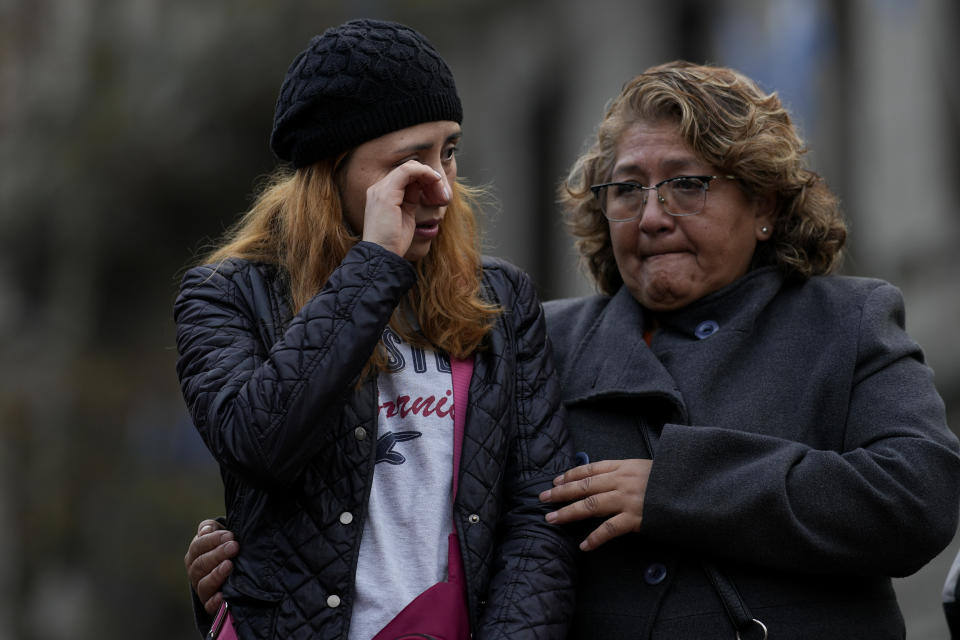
[{"x": 357, "y": 82}]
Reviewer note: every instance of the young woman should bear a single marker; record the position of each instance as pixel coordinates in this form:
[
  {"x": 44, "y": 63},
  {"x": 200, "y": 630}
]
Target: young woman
[{"x": 326, "y": 348}]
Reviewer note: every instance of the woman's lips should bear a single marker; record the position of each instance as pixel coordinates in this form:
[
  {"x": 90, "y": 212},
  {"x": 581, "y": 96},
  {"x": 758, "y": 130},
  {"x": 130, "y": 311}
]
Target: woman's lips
[
  {"x": 427, "y": 230},
  {"x": 659, "y": 254}
]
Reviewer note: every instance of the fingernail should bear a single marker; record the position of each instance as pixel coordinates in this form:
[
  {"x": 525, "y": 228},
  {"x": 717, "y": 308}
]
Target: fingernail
[
  {"x": 551, "y": 516},
  {"x": 231, "y": 547},
  {"x": 545, "y": 496},
  {"x": 584, "y": 546},
  {"x": 206, "y": 529},
  {"x": 558, "y": 480},
  {"x": 447, "y": 193},
  {"x": 226, "y": 536}
]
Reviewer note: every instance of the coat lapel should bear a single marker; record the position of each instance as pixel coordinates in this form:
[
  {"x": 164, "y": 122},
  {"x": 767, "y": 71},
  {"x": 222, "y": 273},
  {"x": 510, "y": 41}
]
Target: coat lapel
[{"x": 612, "y": 359}]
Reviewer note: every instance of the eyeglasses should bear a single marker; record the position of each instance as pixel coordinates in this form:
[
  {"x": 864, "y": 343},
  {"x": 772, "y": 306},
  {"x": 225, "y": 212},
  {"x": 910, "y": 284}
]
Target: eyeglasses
[{"x": 680, "y": 196}]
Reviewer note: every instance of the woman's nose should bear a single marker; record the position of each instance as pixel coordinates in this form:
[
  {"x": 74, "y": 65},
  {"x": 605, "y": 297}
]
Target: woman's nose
[
  {"x": 436, "y": 194},
  {"x": 440, "y": 192},
  {"x": 653, "y": 216}
]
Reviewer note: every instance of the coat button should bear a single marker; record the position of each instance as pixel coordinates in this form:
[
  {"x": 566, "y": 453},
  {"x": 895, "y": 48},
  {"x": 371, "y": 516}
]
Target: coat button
[
  {"x": 655, "y": 573},
  {"x": 360, "y": 433},
  {"x": 473, "y": 518},
  {"x": 346, "y": 517},
  {"x": 333, "y": 601},
  {"x": 706, "y": 329}
]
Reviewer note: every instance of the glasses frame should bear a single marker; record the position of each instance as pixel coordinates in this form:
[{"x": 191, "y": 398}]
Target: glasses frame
[{"x": 595, "y": 188}]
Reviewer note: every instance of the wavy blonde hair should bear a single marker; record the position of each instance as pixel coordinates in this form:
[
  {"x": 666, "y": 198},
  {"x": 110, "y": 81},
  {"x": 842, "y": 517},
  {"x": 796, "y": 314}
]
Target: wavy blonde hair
[
  {"x": 297, "y": 223},
  {"x": 732, "y": 125}
]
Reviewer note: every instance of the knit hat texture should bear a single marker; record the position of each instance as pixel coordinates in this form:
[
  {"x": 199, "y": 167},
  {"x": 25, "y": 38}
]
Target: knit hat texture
[{"x": 357, "y": 82}]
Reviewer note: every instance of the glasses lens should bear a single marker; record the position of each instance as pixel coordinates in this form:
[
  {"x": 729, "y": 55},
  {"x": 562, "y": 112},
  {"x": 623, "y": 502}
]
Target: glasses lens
[
  {"x": 621, "y": 201},
  {"x": 684, "y": 196}
]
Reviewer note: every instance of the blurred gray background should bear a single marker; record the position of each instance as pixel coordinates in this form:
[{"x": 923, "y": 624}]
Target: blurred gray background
[{"x": 133, "y": 131}]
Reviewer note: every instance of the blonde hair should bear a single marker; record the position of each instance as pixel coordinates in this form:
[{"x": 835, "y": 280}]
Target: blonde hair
[
  {"x": 297, "y": 223},
  {"x": 734, "y": 126}
]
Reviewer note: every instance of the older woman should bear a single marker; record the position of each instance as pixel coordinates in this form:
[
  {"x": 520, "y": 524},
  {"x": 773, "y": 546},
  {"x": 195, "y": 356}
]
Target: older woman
[
  {"x": 767, "y": 446},
  {"x": 764, "y": 445}
]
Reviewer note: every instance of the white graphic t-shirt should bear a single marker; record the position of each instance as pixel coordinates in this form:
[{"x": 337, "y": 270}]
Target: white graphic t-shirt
[{"x": 403, "y": 550}]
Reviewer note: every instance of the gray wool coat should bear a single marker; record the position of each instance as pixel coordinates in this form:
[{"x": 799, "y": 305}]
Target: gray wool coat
[{"x": 799, "y": 445}]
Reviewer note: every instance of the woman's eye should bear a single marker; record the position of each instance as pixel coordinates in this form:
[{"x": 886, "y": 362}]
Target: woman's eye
[
  {"x": 625, "y": 190},
  {"x": 450, "y": 152},
  {"x": 687, "y": 184}
]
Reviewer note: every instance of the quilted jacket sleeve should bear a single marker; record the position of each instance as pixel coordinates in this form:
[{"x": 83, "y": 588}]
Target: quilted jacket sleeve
[
  {"x": 531, "y": 591},
  {"x": 256, "y": 405}
]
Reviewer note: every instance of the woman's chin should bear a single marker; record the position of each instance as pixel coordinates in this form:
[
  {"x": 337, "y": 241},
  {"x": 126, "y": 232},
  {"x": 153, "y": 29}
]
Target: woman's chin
[
  {"x": 661, "y": 294},
  {"x": 418, "y": 250}
]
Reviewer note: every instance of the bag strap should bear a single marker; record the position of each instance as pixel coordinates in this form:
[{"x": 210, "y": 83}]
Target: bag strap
[
  {"x": 743, "y": 621},
  {"x": 462, "y": 372}
]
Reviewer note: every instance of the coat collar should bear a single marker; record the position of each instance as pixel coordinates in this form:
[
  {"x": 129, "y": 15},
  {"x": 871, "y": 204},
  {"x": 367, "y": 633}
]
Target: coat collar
[
  {"x": 734, "y": 307},
  {"x": 613, "y": 359}
]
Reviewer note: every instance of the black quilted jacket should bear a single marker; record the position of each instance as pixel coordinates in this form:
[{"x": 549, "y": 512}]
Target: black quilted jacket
[{"x": 275, "y": 398}]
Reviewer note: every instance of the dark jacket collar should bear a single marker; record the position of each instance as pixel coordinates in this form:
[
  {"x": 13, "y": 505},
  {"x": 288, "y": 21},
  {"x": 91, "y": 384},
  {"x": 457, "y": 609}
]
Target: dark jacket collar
[
  {"x": 613, "y": 359},
  {"x": 735, "y": 306}
]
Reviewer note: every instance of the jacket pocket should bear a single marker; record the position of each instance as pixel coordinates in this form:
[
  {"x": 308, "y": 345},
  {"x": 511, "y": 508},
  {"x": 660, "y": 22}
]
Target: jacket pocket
[{"x": 253, "y": 610}]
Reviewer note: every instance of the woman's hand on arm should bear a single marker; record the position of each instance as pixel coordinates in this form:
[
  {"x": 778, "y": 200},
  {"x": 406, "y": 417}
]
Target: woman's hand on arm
[
  {"x": 533, "y": 563},
  {"x": 611, "y": 489},
  {"x": 208, "y": 562}
]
